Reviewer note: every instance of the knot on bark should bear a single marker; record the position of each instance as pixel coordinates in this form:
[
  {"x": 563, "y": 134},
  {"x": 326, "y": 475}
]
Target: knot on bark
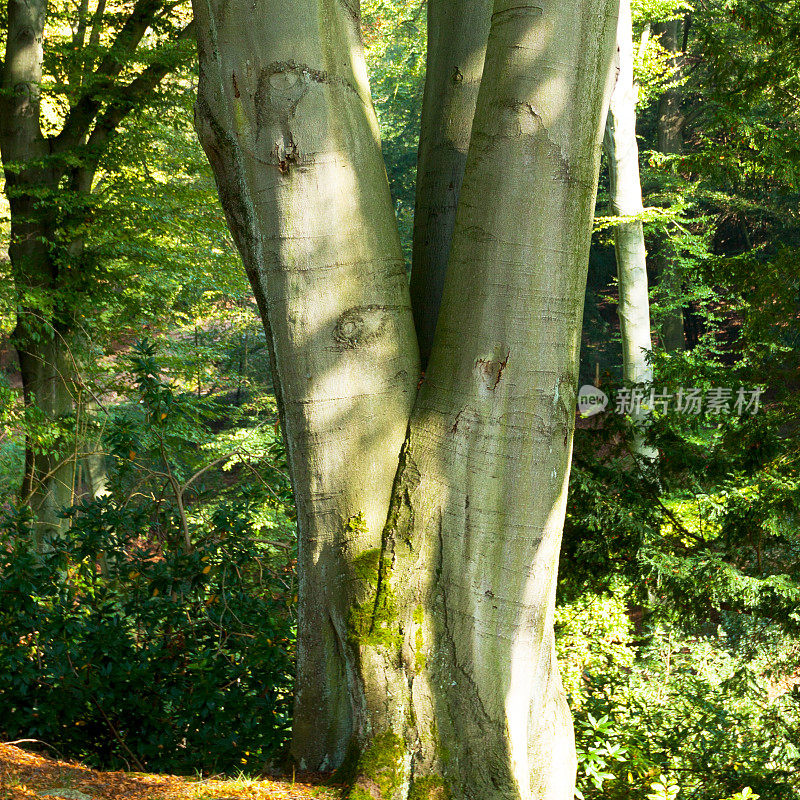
[
  {"x": 359, "y": 326},
  {"x": 279, "y": 90},
  {"x": 286, "y": 154}
]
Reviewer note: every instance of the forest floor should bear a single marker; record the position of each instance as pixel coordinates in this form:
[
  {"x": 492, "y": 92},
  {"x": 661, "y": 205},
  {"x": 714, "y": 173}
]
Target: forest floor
[{"x": 25, "y": 775}]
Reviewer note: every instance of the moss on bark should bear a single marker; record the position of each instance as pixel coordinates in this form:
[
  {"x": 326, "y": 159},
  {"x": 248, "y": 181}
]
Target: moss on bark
[
  {"x": 431, "y": 787},
  {"x": 381, "y": 769},
  {"x": 373, "y": 620}
]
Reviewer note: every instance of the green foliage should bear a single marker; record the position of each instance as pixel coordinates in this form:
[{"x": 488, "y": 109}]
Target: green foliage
[
  {"x": 116, "y": 646},
  {"x": 695, "y": 694},
  {"x": 11, "y": 455},
  {"x": 676, "y": 714},
  {"x": 592, "y": 633},
  {"x": 395, "y": 44},
  {"x": 691, "y": 719},
  {"x": 160, "y": 630}
]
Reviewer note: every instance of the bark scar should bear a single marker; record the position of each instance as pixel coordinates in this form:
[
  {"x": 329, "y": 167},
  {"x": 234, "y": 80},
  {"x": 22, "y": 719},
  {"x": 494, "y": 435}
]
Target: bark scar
[
  {"x": 360, "y": 326},
  {"x": 491, "y": 370},
  {"x": 536, "y": 11}
]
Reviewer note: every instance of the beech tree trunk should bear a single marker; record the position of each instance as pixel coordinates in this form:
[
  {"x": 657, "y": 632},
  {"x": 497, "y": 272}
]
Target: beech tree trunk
[
  {"x": 471, "y": 546},
  {"x": 426, "y": 607},
  {"x": 285, "y": 115},
  {"x": 670, "y": 142},
  {"x": 625, "y": 187},
  {"x": 622, "y": 151},
  {"x": 457, "y": 34}
]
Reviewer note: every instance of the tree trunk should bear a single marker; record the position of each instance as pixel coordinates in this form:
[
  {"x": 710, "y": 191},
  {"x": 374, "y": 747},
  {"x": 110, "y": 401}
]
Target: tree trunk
[
  {"x": 48, "y": 480},
  {"x": 426, "y": 641},
  {"x": 462, "y": 612},
  {"x": 457, "y": 34},
  {"x": 626, "y": 201},
  {"x": 670, "y": 104},
  {"x": 670, "y": 142},
  {"x": 48, "y": 180},
  {"x": 95, "y": 456},
  {"x": 47, "y": 484},
  {"x": 285, "y": 115}
]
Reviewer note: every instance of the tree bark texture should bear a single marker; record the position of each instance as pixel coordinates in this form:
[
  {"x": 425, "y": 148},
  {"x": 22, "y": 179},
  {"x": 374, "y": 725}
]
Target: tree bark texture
[
  {"x": 285, "y": 115},
  {"x": 463, "y": 610},
  {"x": 45, "y": 369},
  {"x": 426, "y": 633},
  {"x": 626, "y": 200},
  {"x": 457, "y": 35}
]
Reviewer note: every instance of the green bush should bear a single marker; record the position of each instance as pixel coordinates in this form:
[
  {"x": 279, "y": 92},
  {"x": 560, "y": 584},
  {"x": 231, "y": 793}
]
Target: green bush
[
  {"x": 119, "y": 649},
  {"x": 158, "y": 631}
]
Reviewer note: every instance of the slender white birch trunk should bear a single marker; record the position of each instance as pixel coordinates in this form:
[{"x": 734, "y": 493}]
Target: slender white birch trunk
[
  {"x": 285, "y": 115},
  {"x": 626, "y": 201}
]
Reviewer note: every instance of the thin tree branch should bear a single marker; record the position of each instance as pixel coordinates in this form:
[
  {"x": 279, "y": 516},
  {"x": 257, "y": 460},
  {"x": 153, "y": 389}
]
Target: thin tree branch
[
  {"x": 80, "y": 116},
  {"x": 131, "y": 95}
]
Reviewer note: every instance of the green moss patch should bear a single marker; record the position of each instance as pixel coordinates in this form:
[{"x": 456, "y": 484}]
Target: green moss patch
[
  {"x": 374, "y": 619},
  {"x": 431, "y": 787},
  {"x": 419, "y": 641},
  {"x": 380, "y": 769}
]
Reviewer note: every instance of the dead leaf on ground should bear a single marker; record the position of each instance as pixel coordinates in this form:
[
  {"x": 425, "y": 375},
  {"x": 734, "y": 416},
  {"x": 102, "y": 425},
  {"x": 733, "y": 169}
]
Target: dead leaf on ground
[{"x": 25, "y": 775}]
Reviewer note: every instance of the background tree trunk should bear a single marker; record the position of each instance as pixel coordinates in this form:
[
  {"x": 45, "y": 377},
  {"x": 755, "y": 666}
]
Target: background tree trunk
[
  {"x": 626, "y": 200},
  {"x": 48, "y": 182},
  {"x": 457, "y": 34},
  {"x": 48, "y": 480},
  {"x": 95, "y": 456},
  {"x": 285, "y": 115},
  {"x": 30, "y": 175}
]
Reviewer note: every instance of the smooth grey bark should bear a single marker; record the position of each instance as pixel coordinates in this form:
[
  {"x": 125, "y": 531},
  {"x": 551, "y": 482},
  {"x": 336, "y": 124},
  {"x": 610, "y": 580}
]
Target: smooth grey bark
[
  {"x": 96, "y": 474},
  {"x": 457, "y": 35},
  {"x": 626, "y": 201},
  {"x": 625, "y": 188},
  {"x": 95, "y": 457},
  {"x": 426, "y": 607},
  {"x": 285, "y": 116},
  {"x": 471, "y": 545},
  {"x": 670, "y": 142}
]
